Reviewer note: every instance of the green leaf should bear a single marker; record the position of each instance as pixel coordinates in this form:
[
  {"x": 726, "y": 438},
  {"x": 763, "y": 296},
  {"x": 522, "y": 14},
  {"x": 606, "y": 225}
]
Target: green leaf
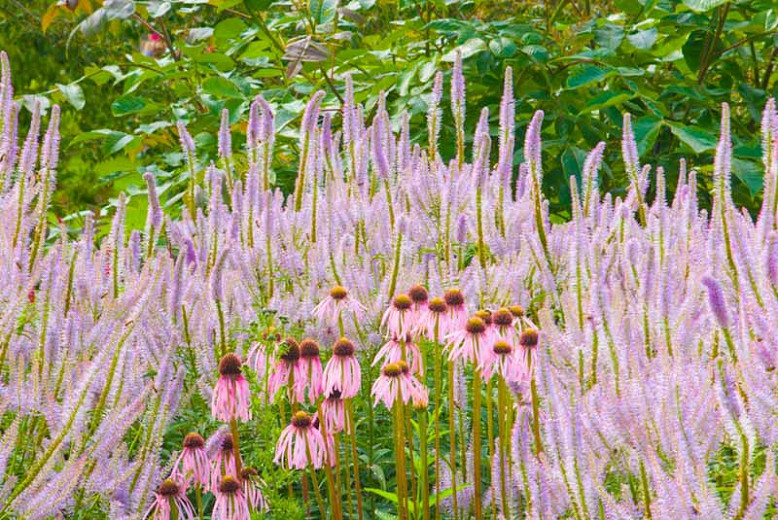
[
  {"x": 701, "y": 6},
  {"x": 73, "y": 94},
  {"x": 696, "y": 138},
  {"x": 646, "y": 131},
  {"x": 469, "y": 48},
  {"x": 749, "y": 173},
  {"x": 607, "y": 99},
  {"x": 587, "y": 74},
  {"x": 609, "y": 36},
  {"x": 643, "y": 40},
  {"x": 221, "y": 87},
  {"x": 127, "y": 105}
]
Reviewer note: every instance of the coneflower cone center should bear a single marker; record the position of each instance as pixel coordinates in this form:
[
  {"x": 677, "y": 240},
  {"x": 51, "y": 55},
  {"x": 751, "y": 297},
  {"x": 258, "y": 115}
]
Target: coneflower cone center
[
  {"x": 301, "y": 420},
  {"x": 168, "y": 488},
  {"x": 230, "y": 365},
  {"x": 454, "y": 298},
  {"x": 338, "y": 293},
  {"x": 309, "y": 349},
  {"x": 475, "y": 326},
  {"x": 343, "y": 348},
  {"x": 228, "y": 485}
]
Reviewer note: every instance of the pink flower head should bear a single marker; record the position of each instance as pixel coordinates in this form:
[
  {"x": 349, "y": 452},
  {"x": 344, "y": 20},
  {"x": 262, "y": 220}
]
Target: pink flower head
[
  {"x": 250, "y": 483},
  {"x": 457, "y": 312},
  {"x": 395, "y": 383},
  {"x": 192, "y": 464},
  {"x": 502, "y": 359},
  {"x": 297, "y": 440},
  {"x": 529, "y": 342},
  {"x": 503, "y": 324},
  {"x": 257, "y": 359},
  {"x": 230, "y": 398},
  {"x": 342, "y": 372},
  {"x": 420, "y": 298},
  {"x": 433, "y": 320},
  {"x": 469, "y": 342},
  {"x": 288, "y": 371},
  {"x": 339, "y": 300},
  {"x": 399, "y": 319},
  {"x": 396, "y": 350},
  {"x": 231, "y": 503},
  {"x": 334, "y": 413},
  {"x": 171, "y": 496},
  {"x": 223, "y": 460},
  {"x": 311, "y": 368}
]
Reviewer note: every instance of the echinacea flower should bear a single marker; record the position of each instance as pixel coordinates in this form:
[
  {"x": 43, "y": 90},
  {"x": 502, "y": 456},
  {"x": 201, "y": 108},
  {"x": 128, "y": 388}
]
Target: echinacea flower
[
  {"x": 193, "y": 463},
  {"x": 332, "y": 307},
  {"x": 257, "y": 359},
  {"x": 501, "y": 359},
  {"x": 469, "y": 342},
  {"x": 223, "y": 460},
  {"x": 230, "y": 398},
  {"x": 399, "y": 319},
  {"x": 311, "y": 368},
  {"x": 395, "y": 384},
  {"x": 457, "y": 312},
  {"x": 342, "y": 372},
  {"x": 334, "y": 412},
  {"x": 503, "y": 324},
  {"x": 401, "y": 350},
  {"x": 529, "y": 342},
  {"x": 288, "y": 371},
  {"x": 420, "y": 298},
  {"x": 299, "y": 440},
  {"x": 432, "y": 323},
  {"x": 231, "y": 503},
  {"x": 251, "y": 483},
  {"x": 170, "y": 501}
]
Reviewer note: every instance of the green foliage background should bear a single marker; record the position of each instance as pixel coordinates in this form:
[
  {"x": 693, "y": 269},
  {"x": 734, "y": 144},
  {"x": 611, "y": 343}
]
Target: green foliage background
[{"x": 671, "y": 63}]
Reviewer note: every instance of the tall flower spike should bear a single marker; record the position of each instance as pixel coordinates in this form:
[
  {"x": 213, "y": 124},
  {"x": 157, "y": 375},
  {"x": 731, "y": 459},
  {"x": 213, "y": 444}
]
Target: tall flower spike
[
  {"x": 507, "y": 128},
  {"x": 716, "y": 301},
  {"x": 225, "y": 139}
]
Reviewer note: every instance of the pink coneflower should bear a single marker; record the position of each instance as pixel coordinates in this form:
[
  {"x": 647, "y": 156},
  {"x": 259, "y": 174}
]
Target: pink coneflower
[
  {"x": 223, "y": 460},
  {"x": 230, "y": 503},
  {"x": 339, "y": 300},
  {"x": 457, "y": 313},
  {"x": 334, "y": 413},
  {"x": 420, "y": 297},
  {"x": 193, "y": 464},
  {"x": 298, "y": 440},
  {"x": 288, "y": 371},
  {"x": 396, "y": 350},
  {"x": 395, "y": 382},
  {"x": 399, "y": 319},
  {"x": 529, "y": 342},
  {"x": 170, "y": 497},
  {"x": 329, "y": 441},
  {"x": 258, "y": 360},
  {"x": 504, "y": 326},
  {"x": 433, "y": 320},
  {"x": 251, "y": 483},
  {"x": 230, "y": 398},
  {"x": 469, "y": 343},
  {"x": 342, "y": 372},
  {"x": 501, "y": 359},
  {"x": 311, "y": 367}
]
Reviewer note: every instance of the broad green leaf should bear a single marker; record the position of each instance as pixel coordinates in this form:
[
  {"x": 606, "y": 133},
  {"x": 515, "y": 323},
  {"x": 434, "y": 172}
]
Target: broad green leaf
[
  {"x": 701, "y": 6},
  {"x": 127, "y": 105},
  {"x": 607, "y": 99},
  {"x": 750, "y": 173},
  {"x": 228, "y": 29},
  {"x": 646, "y": 131},
  {"x": 221, "y": 87},
  {"x": 469, "y": 48},
  {"x": 73, "y": 94},
  {"x": 587, "y": 74},
  {"x": 696, "y": 138},
  {"x": 643, "y": 40},
  {"x": 609, "y": 36}
]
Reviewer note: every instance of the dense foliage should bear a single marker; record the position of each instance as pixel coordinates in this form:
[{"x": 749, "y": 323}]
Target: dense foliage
[
  {"x": 249, "y": 353},
  {"x": 126, "y": 71}
]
